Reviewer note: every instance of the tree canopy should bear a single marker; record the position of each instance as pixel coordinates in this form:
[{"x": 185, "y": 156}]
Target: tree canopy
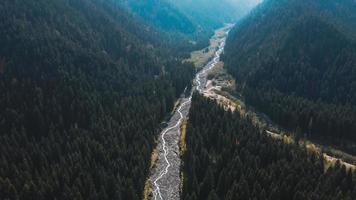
[
  {"x": 296, "y": 61},
  {"x": 229, "y": 158},
  {"x": 84, "y": 86}
]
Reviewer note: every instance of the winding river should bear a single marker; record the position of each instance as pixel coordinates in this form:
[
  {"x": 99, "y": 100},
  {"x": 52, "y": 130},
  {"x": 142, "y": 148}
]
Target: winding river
[{"x": 165, "y": 177}]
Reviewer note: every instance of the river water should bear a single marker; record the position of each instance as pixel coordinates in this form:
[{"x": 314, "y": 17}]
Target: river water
[{"x": 165, "y": 177}]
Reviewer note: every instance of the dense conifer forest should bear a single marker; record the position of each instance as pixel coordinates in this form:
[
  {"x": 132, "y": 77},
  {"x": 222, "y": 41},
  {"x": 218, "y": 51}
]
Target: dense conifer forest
[
  {"x": 296, "y": 61},
  {"x": 84, "y": 86},
  {"x": 229, "y": 158}
]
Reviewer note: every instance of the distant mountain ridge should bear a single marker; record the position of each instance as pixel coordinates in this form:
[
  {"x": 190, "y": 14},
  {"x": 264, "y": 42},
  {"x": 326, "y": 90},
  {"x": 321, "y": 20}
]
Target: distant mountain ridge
[
  {"x": 160, "y": 13},
  {"x": 194, "y": 20}
]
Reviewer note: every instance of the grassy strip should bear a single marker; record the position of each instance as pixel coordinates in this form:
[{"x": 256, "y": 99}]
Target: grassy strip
[
  {"x": 183, "y": 133},
  {"x": 148, "y": 186},
  {"x": 182, "y": 149}
]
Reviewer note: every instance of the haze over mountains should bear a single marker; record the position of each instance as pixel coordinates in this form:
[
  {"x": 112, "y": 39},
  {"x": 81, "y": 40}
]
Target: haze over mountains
[
  {"x": 86, "y": 86},
  {"x": 195, "y": 19},
  {"x": 81, "y": 78}
]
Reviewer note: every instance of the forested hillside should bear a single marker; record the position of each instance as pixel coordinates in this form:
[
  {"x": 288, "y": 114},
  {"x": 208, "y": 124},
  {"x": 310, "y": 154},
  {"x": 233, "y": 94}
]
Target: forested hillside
[
  {"x": 229, "y": 158},
  {"x": 166, "y": 17},
  {"x": 160, "y": 13},
  {"x": 208, "y": 14},
  {"x": 296, "y": 61},
  {"x": 84, "y": 86},
  {"x": 192, "y": 21}
]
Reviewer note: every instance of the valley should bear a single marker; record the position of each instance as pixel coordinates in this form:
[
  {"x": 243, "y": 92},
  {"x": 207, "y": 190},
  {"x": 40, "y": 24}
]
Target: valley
[
  {"x": 214, "y": 82},
  {"x": 164, "y": 181},
  {"x": 178, "y": 100}
]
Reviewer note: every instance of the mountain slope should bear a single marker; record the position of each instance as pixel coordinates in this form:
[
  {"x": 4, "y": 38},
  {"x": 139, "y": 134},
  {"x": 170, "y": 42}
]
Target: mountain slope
[
  {"x": 296, "y": 62},
  {"x": 208, "y": 14},
  {"x": 84, "y": 86},
  {"x": 190, "y": 21},
  {"x": 229, "y": 158},
  {"x": 162, "y": 14}
]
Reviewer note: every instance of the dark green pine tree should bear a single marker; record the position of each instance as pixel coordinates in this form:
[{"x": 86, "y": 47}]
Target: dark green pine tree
[{"x": 213, "y": 195}]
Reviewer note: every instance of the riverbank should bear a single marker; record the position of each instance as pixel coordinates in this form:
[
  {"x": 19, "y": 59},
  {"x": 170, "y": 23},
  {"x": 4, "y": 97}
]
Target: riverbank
[
  {"x": 164, "y": 181},
  {"x": 201, "y": 57}
]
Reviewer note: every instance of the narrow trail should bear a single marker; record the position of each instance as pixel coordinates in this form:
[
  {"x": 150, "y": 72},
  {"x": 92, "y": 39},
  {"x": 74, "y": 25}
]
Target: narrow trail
[{"x": 166, "y": 176}]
